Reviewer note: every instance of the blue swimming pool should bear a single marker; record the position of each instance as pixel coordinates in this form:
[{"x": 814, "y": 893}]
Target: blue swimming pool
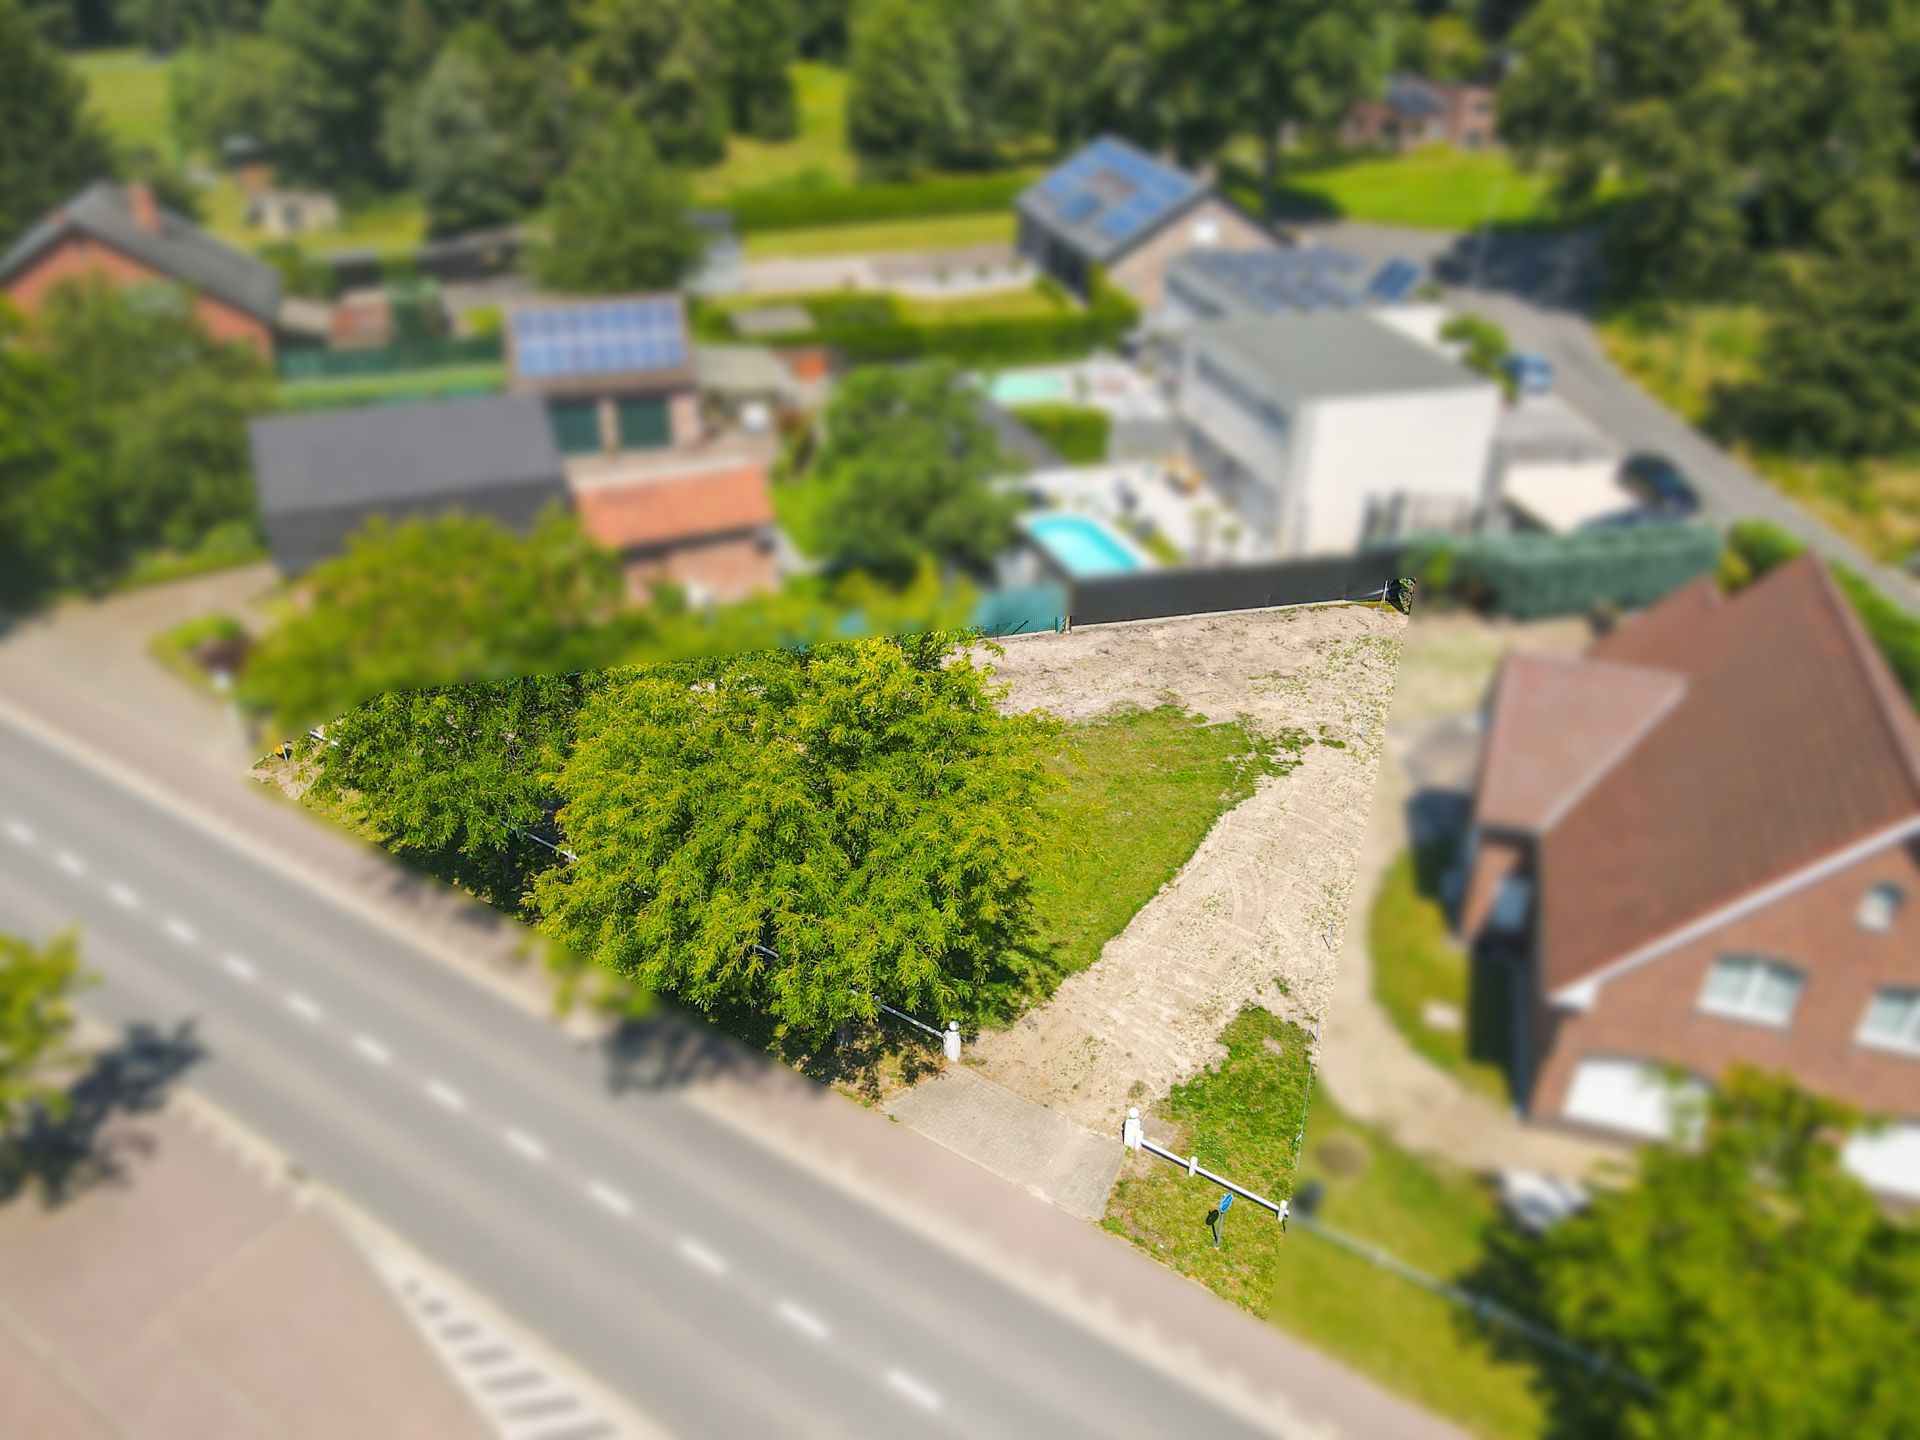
[
  {"x": 1029, "y": 387},
  {"x": 1082, "y": 546}
]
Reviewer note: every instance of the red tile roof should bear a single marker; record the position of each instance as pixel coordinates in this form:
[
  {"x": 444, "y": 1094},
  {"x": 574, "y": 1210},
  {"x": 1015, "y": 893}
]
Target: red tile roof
[
  {"x": 664, "y": 509},
  {"x": 1788, "y": 741}
]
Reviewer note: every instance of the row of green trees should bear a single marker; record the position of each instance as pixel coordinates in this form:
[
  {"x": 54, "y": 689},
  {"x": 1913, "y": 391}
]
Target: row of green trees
[
  {"x": 1758, "y": 150},
  {"x": 122, "y": 432}
]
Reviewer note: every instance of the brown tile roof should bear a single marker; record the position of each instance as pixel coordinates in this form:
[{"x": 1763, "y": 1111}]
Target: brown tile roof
[
  {"x": 668, "y": 508},
  {"x": 1578, "y": 717},
  {"x": 1789, "y": 741}
]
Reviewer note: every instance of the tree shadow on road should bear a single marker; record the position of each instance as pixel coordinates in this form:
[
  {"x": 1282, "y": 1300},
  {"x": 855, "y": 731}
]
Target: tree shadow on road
[{"x": 62, "y": 1158}]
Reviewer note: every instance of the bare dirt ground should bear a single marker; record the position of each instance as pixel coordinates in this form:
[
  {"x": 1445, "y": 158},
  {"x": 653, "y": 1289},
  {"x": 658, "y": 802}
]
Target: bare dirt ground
[{"x": 1257, "y": 913}]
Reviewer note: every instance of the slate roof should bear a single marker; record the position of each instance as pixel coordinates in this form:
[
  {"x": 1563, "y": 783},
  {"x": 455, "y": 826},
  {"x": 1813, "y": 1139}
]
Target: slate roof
[
  {"x": 1328, "y": 354},
  {"x": 1107, "y": 198},
  {"x": 1414, "y": 98},
  {"x": 179, "y": 249},
  {"x": 1788, "y": 742},
  {"x": 393, "y": 454}
]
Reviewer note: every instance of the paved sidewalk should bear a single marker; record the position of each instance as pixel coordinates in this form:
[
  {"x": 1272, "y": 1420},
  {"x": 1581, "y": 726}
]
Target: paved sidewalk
[{"x": 1038, "y": 1149}]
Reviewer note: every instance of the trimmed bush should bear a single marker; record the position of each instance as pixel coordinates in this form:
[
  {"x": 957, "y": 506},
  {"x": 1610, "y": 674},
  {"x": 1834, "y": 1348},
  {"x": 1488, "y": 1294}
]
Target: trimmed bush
[
  {"x": 792, "y": 207},
  {"x": 1078, "y": 432}
]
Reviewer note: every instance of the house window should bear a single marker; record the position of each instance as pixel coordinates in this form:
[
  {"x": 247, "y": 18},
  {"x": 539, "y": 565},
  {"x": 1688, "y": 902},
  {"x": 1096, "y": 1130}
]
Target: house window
[
  {"x": 1511, "y": 902},
  {"x": 1893, "y": 1021},
  {"x": 1751, "y": 987},
  {"x": 1878, "y": 907}
]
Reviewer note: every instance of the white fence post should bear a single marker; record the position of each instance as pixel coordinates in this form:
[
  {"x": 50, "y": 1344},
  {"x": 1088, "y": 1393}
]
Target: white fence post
[
  {"x": 950, "y": 1042},
  {"x": 1130, "y": 1130}
]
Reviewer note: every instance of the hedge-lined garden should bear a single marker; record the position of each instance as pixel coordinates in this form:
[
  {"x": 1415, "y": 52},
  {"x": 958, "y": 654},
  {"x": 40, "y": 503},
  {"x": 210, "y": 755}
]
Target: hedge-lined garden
[
  {"x": 798, "y": 207},
  {"x": 1078, "y": 433}
]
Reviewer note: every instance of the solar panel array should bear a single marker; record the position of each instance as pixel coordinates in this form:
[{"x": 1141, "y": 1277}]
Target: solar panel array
[
  {"x": 1311, "y": 278},
  {"x": 598, "y": 337},
  {"x": 1115, "y": 190},
  {"x": 1396, "y": 281}
]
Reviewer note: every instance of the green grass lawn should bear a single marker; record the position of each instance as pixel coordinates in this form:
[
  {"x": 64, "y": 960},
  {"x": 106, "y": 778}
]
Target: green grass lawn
[
  {"x": 1424, "y": 1346},
  {"x": 127, "y": 89},
  {"x": 818, "y": 155},
  {"x": 1140, "y": 790},
  {"x": 1240, "y": 1120},
  {"x": 1415, "y": 962},
  {"x": 334, "y": 394},
  {"x": 394, "y": 224},
  {"x": 938, "y": 232},
  {"x": 1435, "y": 188}
]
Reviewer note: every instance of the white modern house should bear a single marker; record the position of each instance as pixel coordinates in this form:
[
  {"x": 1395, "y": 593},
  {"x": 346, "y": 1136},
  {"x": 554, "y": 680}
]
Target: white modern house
[{"x": 1326, "y": 430}]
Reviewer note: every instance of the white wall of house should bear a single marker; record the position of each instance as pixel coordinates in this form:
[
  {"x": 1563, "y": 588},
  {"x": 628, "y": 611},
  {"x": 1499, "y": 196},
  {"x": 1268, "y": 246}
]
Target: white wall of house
[{"x": 1425, "y": 453}]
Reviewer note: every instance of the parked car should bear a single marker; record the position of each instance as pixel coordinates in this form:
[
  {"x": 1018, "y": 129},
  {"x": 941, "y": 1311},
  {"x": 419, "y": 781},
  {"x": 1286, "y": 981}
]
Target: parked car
[
  {"x": 1660, "y": 485},
  {"x": 1531, "y": 373}
]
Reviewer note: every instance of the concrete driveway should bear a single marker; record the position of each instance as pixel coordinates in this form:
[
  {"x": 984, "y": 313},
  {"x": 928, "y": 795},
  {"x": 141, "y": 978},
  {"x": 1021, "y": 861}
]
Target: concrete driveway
[{"x": 1541, "y": 288}]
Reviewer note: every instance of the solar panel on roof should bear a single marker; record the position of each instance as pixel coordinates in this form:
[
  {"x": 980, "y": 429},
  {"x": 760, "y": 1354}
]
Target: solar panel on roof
[
  {"x": 598, "y": 338},
  {"x": 1395, "y": 281}
]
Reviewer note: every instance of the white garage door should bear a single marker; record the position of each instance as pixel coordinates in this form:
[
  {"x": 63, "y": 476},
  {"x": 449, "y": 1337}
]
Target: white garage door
[
  {"x": 1628, "y": 1095},
  {"x": 1889, "y": 1161}
]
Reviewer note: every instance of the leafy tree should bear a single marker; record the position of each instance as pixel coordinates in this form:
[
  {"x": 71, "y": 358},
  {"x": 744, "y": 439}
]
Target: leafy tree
[
  {"x": 756, "y": 41},
  {"x": 330, "y": 114},
  {"x": 803, "y": 833},
  {"x": 437, "y": 601},
  {"x": 618, "y": 218},
  {"x": 1485, "y": 346},
  {"x": 907, "y": 465},
  {"x": 1444, "y": 47},
  {"x": 163, "y": 26},
  {"x": 44, "y": 510},
  {"x": 1092, "y": 65},
  {"x": 660, "y": 58},
  {"x": 35, "y": 1021},
  {"x": 445, "y": 137},
  {"x": 1261, "y": 66},
  {"x": 1753, "y": 1284},
  {"x": 821, "y": 29},
  {"x": 904, "y": 103},
  {"x": 1654, "y": 96},
  {"x": 1000, "y": 93},
  {"x": 1840, "y": 367},
  {"x": 50, "y": 144},
  {"x": 231, "y": 86}
]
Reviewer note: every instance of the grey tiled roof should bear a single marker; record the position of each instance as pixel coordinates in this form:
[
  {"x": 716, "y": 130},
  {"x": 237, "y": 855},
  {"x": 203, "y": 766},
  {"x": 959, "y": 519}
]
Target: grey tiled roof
[{"x": 179, "y": 249}]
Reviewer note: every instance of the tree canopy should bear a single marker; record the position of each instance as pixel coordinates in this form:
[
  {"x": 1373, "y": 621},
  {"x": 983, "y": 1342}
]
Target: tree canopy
[
  {"x": 619, "y": 218},
  {"x": 907, "y": 463},
  {"x": 36, "y": 1019},
  {"x": 50, "y": 144},
  {"x": 1752, "y": 1283},
  {"x": 903, "y": 87},
  {"x": 803, "y": 832}
]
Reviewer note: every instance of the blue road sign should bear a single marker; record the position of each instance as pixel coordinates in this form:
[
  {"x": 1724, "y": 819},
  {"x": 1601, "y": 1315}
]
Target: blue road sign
[{"x": 1226, "y": 1201}]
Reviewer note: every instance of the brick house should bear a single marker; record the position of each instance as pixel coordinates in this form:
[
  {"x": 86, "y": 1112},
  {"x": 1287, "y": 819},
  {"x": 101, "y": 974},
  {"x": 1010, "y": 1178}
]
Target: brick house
[
  {"x": 1416, "y": 112},
  {"x": 122, "y": 233},
  {"x": 1699, "y": 844},
  {"x": 616, "y": 375},
  {"x": 705, "y": 524}
]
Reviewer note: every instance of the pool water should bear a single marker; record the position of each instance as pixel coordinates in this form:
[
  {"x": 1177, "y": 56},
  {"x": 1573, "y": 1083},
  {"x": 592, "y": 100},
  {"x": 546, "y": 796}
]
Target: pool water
[
  {"x": 1080, "y": 546},
  {"x": 1029, "y": 389}
]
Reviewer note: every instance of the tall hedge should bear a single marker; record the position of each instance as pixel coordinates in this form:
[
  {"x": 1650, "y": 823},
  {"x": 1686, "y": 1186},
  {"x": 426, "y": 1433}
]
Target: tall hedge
[{"x": 789, "y": 207}]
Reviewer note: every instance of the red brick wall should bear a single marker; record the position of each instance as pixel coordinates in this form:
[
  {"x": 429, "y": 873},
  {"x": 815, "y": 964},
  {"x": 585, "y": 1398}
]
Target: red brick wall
[
  {"x": 1652, "y": 1012},
  {"x": 78, "y": 256},
  {"x": 727, "y": 568}
]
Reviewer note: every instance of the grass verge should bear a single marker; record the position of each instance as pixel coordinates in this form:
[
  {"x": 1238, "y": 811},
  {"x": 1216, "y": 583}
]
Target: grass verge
[
  {"x": 397, "y": 389},
  {"x": 936, "y": 232},
  {"x": 1079, "y": 433},
  {"x": 1417, "y": 964}
]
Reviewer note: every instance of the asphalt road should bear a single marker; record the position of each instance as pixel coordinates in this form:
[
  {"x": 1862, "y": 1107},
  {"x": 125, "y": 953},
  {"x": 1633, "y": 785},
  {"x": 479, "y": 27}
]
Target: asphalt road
[{"x": 722, "y": 1289}]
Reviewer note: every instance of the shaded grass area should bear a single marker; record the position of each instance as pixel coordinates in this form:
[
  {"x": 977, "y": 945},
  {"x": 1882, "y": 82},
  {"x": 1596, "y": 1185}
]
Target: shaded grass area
[
  {"x": 817, "y": 155},
  {"x": 1139, "y": 791},
  {"x": 1240, "y": 1119},
  {"x": 391, "y": 224},
  {"x": 1417, "y": 963},
  {"x": 401, "y": 387},
  {"x": 1693, "y": 360},
  {"x": 934, "y": 232},
  {"x": 1079, "y": 433},
  {"x": 127, "y": 89},
  {"x": 1433, "y": 188},
  {"x": 1438, "y": 1219}
]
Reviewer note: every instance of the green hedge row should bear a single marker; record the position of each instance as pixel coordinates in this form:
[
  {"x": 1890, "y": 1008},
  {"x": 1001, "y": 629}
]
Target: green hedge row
[
  {"x": 1530, "y": 576},
  {"x": 796, "y": 208},
  {"x": 1078, "y": 433}
]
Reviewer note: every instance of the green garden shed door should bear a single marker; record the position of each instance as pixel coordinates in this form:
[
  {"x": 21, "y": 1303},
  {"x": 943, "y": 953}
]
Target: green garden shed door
[
  {"x": 645, "y": 424},
  {"x": 576, "y": 426}
]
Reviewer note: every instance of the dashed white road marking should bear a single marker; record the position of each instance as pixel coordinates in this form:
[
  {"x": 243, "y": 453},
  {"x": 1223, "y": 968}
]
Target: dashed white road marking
[
  {"x": 372, "y": 1049},
  {"x": 123, "y": 897},
  {"x": 179, "y": 930},
  {"x": 805, "y": 1321},
  {"x": 70, "y": 862},
  {"x": 303, "y": 1007},
  {"x": 700, "y": 1255},
  {"x": 525, "y": 1144},
  {"x": 445, "y": 1095},
  {"x": 238, "y": 968},
  {"x": 610, "y": 1198},
  {"x": 919, "y": 1394},
  {"x": 20, "y": 831}
]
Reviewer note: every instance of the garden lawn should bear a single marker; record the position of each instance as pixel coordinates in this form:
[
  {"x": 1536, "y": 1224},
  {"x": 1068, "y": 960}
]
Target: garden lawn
[
  {"x": 1435, "y": 188},
  {"x": 127, "y": 89},
  {"x": 937, "y": 232},
  {"x": 1416, "y": 962},
  {"x": 1686, "y": 358},
  {"x": 818, "y": 155},
  {"x": 399, "y": 388},
  {"x": 1139, "y": 792}
]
